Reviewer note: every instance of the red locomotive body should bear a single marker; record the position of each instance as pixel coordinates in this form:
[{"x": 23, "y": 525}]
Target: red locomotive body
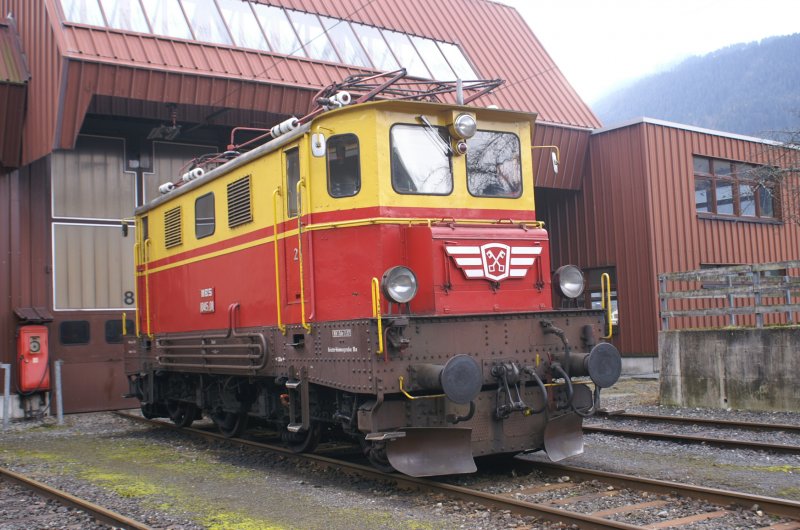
[{"x": 375, "y": 272}]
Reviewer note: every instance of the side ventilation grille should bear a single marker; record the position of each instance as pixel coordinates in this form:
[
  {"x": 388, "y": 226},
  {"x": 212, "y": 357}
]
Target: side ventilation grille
[
  {"x": 239, "y": 209},
  {"x": 172, "y": 228}
]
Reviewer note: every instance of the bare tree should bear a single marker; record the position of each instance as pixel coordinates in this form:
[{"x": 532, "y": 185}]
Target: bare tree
[{"x": 780, "y": 175}]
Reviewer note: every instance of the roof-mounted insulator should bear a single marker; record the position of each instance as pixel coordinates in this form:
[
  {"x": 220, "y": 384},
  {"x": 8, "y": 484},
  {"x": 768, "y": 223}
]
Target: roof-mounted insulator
[
  {"x": 284, "y": 127},
  {"x": 166, "y": 188},
  {"x": 338, "y": 100},
  {"x": 195, "y": 173}
]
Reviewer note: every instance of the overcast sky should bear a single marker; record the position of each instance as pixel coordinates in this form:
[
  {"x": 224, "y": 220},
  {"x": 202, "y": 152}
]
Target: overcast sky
[{"x": 602, "y": 44}]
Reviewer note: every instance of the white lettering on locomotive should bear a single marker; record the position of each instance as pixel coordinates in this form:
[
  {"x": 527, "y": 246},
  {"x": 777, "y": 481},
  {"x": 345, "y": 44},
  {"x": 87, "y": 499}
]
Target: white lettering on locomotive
[
  {"x": 340, "y": 349},
  {"x": 207, "y": 300},
  {"x": 494, "y": 261},
  {"x": 339, "y": 333}
]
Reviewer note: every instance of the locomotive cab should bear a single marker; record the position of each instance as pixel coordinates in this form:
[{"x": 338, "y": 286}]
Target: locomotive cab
[{"x": 375, "y": 271}]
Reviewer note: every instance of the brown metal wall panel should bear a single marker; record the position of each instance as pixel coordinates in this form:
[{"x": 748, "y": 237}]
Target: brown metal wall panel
[
  {"x": 682, "y": 240},
  {"x": 13, "y": 67},
  {"x": 94, "y": 384},
  {"x": 12, "y": 109},
  {"x": 36, "y": 23},
  {"x": 14, "y": 77},
  {"x": 606, "y": 224},
  {"x": 636, "y": 212},
  {"x": 572, "y": 144},
  {"x": 24, "y": 249}
]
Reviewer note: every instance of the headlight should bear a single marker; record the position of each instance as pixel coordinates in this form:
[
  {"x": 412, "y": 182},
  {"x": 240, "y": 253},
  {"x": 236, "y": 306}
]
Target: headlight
[
  {"x": 569, "y": 280},
  {"x": 464, "y": 126},
  {"x": 399, "y": 284}
]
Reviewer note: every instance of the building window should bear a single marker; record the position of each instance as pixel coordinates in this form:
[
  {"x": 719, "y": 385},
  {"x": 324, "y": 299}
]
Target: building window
[
  {"x": 731, "y": 189},
  {"x": 74, "y": 332},
  {"x": 344, "y": 172},
  {"x": 204, "y": 220},
  {"x": 250, "y": 24},
  {"x": 114, "y": 330},
  {"x": 125, "y": 15}
]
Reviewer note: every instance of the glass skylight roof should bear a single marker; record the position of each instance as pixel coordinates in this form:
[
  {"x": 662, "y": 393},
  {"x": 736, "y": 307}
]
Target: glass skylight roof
[{"x": 277, "y": 30}]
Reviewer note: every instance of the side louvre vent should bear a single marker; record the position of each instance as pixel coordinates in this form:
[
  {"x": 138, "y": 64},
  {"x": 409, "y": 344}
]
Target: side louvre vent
[
  {"x": 172, "y": 228},
  {"x": 239, "y": 210}
]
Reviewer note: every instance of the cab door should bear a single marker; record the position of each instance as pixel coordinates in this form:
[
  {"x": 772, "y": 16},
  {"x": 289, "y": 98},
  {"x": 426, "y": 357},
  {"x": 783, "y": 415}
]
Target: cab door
[{"x": 291, "y": 248}]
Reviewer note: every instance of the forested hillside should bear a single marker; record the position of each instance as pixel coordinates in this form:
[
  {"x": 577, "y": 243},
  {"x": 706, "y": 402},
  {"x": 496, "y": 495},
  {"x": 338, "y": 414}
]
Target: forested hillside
[{"x": 751, "y": 89}]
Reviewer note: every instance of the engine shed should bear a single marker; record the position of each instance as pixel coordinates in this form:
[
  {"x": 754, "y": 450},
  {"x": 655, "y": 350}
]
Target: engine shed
[{"x": 103, "y": 101}]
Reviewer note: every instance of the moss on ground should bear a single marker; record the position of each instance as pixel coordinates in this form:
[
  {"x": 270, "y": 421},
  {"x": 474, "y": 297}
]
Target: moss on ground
[{"x": 184, "y": 480}]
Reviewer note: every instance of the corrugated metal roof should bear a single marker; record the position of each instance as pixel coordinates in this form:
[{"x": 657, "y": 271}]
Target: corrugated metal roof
[
  {"x": 494, "y": 37},
  {"x": 13, "y": 67},
  {"x": 684, "y": 127}
]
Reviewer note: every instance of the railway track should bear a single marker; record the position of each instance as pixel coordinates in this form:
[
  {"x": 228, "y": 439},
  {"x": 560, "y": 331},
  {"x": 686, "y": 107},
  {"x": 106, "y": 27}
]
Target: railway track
[
  {"x": 638, "y": 426},
  {"x": 701, "y": 421},
  {"x": 565, "y": 507},
  {"x": 97, "y": 512}
]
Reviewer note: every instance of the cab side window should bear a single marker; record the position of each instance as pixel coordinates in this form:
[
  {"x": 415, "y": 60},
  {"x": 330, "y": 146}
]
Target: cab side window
[
  {"x": 204, "y": 221},
  {"x": 292, "y": 178},
  {"x": 344, "y": 165}
]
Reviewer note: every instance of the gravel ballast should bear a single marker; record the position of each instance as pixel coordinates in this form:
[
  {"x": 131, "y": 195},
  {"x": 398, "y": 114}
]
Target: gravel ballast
[{"x": 170, "y": 480}]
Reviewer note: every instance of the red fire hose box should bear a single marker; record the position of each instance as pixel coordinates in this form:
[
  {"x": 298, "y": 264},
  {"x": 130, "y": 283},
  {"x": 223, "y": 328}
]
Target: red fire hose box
[{"x": 32, "y": 353}]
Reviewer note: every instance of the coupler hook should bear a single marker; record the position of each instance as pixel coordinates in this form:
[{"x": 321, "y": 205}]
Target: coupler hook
[{"x": 508, "y": 375}]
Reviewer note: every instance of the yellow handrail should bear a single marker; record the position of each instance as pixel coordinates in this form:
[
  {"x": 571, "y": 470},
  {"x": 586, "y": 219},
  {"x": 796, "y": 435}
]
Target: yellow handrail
[
  {"x": 275, "y": 195},
  {"x": 410, "y": 221},
  {"x": 376, "y": 312},
  {"x": 147, "y": 244},
  {"x": 605, "y": 298},
  {"x": 124, "y": 324},
  {"x": 409, "y": 396},
  {"x": 136, "y": 260},
  {"x": 301, "y": 183}
]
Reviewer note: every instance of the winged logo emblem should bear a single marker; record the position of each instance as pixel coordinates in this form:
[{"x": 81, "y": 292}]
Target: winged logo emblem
[{"x": 493, "y": 261}]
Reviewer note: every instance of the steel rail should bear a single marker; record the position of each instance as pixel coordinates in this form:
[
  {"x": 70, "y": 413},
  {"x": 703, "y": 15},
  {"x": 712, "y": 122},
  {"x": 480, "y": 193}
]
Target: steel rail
[
  {"x": 781, "y": 507},
  {"x": 700, "y": 421},
  {"x": 101, "y": 514},
  {"x": 491, "y": 500},
  {"x": 695, "y": 439}
]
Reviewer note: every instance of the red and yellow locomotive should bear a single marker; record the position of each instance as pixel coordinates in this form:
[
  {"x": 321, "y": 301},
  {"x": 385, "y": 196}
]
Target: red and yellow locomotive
[{"x": 375, "y": 270}]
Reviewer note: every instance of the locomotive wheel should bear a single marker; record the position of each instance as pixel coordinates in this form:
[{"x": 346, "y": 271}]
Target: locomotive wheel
[
  {"x": 230, "y": 424},
  {"x": 182, "y": 414},
  {"x": 149, "y": 411},
  {"x": 376, "y": 454},
  {"x": 302, "y": 442}
]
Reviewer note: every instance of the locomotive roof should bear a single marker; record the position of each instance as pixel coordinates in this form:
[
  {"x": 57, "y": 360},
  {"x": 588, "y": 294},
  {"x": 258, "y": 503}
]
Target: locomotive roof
[{"x": 407, "y": 106}]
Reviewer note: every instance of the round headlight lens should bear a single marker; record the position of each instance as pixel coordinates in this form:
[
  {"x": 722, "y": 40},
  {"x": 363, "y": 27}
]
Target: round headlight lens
[
  {"x": 399, "y": 284},
  {"x": 569, "y": 279},
  {"x": 465, "y": 126}
]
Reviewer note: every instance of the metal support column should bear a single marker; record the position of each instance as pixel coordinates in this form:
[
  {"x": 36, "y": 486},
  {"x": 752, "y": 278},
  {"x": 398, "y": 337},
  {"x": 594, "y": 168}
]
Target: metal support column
[
  {"x": 59, "y": 399},
  {"x": 6, "y": 394}
]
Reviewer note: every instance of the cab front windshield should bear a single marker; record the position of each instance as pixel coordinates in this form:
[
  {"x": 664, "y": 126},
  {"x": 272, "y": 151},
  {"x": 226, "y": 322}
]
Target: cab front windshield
[{"x": 421, "y": 160}]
